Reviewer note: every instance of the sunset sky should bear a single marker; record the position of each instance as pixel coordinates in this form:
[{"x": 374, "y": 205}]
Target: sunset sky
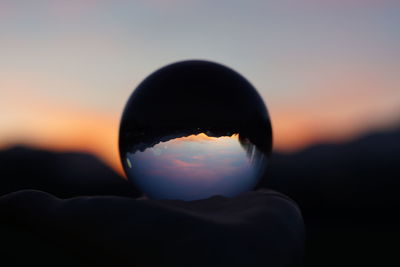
[
  {"x": 328, "y": 70},
  {"x": 195, "y": 167}
]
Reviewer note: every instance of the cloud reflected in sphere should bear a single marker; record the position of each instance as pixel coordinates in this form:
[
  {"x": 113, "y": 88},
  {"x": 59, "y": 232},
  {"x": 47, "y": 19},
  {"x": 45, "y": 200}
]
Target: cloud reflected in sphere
[{"x": 195, "y": 129}]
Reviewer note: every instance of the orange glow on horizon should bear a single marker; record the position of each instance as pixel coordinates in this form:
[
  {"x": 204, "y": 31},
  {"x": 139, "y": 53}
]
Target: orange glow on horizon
[
  {"x": 201, "y": 137},
  {"x": 98, "y": 134},
  {"x": 58, "y": 129},
  {"x": 41, "y": 123}
]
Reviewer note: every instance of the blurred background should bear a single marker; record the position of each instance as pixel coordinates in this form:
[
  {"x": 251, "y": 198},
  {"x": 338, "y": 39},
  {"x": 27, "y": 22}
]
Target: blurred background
[{"x": 327, "y": 70}]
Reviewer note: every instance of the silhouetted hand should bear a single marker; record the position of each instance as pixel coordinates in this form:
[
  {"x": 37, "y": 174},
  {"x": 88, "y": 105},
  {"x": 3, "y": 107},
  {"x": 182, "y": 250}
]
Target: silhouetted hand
[{"x": 261, "y": 228}]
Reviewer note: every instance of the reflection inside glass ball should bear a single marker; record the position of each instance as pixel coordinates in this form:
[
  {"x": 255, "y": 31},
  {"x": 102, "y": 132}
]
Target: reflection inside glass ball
[
  {"x": 192, "y": 130},
  {"x": 196, "y": 166}
]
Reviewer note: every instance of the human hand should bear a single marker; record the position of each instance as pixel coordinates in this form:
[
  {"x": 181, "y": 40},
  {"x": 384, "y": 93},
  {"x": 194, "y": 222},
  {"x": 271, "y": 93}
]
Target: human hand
[{"x": 262, "y": 228}]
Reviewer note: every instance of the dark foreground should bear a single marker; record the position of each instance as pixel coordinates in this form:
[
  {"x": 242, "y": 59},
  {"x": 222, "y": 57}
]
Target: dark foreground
[
  {"x": 348, "y": 195},
  {"x": 254, "y": 229}
]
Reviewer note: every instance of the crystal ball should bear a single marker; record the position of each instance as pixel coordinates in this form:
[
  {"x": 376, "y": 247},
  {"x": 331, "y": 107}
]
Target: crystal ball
[{"x": 195, "y": 129}]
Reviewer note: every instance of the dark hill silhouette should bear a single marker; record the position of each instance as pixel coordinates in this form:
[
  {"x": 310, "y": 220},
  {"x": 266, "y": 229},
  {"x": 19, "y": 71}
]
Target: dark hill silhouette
[
  {"x": 349, "y": 196},
  {"x": 358, "y": 176},
  {"x": 65, "y": 175}
]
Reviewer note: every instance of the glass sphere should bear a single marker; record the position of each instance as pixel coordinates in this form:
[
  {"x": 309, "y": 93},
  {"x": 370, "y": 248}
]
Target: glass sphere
[{"x": 192, "y": 130}]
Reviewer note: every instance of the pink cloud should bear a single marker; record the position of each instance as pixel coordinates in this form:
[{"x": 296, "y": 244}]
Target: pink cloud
[{"x": 183, "y": 164}]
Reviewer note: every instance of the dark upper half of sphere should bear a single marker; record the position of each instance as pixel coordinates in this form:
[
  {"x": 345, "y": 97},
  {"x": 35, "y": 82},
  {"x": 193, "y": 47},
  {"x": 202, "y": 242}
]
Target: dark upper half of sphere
[{"x": 196, "y": 96}]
